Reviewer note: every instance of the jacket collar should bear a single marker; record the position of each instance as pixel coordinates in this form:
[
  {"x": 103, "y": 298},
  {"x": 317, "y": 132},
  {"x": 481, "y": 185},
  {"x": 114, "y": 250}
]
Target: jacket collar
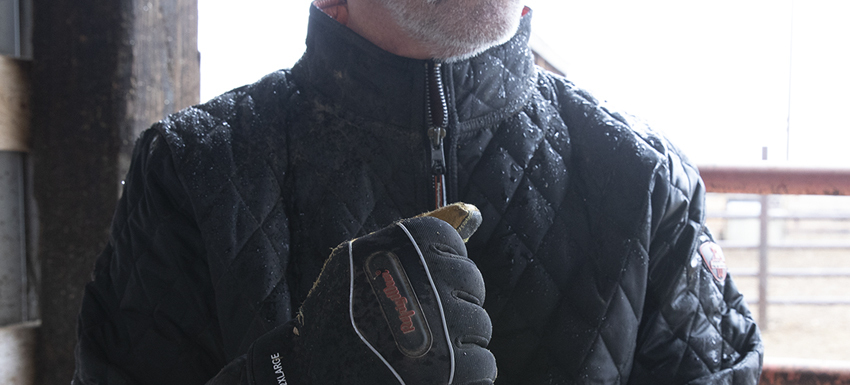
[{"x": 350, "y": 71}]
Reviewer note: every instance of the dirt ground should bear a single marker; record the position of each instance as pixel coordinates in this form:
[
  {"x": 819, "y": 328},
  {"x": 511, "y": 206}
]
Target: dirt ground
[{"x": 819, "y": 332}]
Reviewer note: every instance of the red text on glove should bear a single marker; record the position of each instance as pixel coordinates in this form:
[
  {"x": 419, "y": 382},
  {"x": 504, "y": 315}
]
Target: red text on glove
[{"x": 391, "y": 291}]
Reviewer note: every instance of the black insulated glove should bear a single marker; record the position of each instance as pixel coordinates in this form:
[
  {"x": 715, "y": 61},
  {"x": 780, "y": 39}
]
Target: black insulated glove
[{"x": 402, "y": 305}]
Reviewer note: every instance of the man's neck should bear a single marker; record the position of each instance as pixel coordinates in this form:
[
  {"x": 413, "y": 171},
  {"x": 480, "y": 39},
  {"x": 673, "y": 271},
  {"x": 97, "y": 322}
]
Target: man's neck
[{"x": 375, "y": 23}]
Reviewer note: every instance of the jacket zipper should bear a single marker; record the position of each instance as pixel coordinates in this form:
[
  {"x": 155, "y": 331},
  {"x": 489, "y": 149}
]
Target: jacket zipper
[{"x": 438, "y": 121}]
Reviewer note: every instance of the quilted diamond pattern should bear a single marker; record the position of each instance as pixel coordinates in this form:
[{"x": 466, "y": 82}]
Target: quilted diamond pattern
[{"x": 587, "y": 246}]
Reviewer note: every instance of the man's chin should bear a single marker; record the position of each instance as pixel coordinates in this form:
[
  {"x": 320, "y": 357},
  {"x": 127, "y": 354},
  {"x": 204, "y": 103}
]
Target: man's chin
[
  {"x": 456, "y": 29},
  {"x": 459, "y": 53},
  {"x": 451, "y": 50}
]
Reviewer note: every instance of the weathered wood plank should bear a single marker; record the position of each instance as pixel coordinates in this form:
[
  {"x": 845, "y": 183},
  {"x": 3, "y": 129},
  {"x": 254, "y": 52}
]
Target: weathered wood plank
[{"x": 14, "y": 104}]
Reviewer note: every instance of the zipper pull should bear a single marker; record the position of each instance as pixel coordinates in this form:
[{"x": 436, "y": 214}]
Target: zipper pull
[
  {"x": 438, "y": 120},
  {"x": 438, "y": 157},
  {"x": 438, "y": 165}
]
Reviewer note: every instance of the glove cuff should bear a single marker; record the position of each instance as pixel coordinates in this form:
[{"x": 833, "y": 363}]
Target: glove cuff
[{"x": 273, "y": 359}]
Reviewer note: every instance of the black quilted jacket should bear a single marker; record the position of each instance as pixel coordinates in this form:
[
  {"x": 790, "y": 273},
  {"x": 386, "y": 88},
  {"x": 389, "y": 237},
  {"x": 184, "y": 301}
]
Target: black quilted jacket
[{"x": 588, "y": 246}]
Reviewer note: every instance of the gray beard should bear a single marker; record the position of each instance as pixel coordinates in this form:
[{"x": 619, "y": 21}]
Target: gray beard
[{"x": 457, "y": 29}]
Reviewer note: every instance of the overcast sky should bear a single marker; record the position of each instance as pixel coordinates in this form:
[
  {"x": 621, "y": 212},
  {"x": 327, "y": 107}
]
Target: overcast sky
[{"x": 712, "y": 75}]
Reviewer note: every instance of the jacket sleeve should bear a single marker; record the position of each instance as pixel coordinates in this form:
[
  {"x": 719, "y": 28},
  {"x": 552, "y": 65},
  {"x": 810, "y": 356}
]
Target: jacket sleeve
[
  {"x": 696, "y": 327},
  {"x": 148, "y": 316}
]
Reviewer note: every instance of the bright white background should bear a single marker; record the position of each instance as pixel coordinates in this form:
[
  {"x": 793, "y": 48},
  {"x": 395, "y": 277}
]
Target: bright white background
[{"x": 714, "y": 75}]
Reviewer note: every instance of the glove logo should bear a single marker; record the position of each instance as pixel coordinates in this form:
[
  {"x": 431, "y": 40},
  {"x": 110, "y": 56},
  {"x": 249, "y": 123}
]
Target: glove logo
[
  {"x": 399, "y": 304},
  {"x": 392, "y": 293}
]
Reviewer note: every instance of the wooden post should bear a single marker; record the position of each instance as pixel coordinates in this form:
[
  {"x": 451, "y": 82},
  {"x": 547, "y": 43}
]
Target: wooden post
[{"x": 102, "y": 72}]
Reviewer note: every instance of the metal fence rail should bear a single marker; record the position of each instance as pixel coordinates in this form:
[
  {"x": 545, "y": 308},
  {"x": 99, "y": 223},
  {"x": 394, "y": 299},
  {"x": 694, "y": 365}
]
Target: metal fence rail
[{"x": 776, "y": 178}]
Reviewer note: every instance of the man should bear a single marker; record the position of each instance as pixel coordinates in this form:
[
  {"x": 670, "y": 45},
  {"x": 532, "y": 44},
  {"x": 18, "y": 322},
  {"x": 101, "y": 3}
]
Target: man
[{"x": 597, "y": 265}]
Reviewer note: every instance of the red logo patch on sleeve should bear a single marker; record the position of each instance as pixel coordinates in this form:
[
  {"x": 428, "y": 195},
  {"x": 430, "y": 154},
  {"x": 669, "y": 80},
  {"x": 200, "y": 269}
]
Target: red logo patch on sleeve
[{"x": 714, "y": 260}]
